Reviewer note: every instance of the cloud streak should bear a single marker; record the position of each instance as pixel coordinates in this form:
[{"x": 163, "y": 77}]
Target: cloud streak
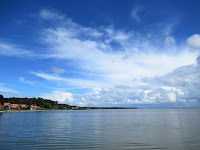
[
  {"x": 135, "y": 14},
  {"x": 9, "y": 49},
  {"x": 7, "y": 91},
  {"x": 23, "y": 80},
  {"x": 72, "y": 82}
]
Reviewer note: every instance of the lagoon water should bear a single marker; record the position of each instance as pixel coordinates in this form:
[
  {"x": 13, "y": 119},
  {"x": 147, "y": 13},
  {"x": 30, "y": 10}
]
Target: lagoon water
[{"x": 141, "y": 129}]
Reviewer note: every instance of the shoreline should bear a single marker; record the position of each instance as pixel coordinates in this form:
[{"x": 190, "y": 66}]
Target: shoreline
[{"x": 2, "y": 111}]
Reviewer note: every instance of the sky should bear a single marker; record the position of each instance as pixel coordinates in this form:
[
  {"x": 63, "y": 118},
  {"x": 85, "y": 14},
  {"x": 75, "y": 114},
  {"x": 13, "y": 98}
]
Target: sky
[{"x": 125, "y": 53}]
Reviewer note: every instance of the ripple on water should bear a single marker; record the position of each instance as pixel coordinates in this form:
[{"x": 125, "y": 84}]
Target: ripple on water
[{"x": 101, "y": 129}]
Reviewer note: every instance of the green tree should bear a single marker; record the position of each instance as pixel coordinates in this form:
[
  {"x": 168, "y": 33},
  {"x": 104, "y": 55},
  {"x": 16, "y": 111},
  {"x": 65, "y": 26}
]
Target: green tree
[
  {"x": 40, "y": 101},
  {"x": 2, "y": 99},
  {"x": 60, "y": 106},
  {"x": 47, "y": 105},
  {"x": 55, "y": 107}
]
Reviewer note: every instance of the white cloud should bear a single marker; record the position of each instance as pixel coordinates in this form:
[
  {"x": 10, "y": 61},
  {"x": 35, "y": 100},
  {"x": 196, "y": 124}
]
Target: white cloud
[
  {"x": 121, "y": 36},
  {"x": 194, "y": 41},
  {"x": 49, "y": 14},
  {"x": 59, "y": 96},
  {"x": 7, "y": 91},
  {"x": 9, "y": 49},
  {"x": 58, "y": 70},
  {"x": 172, "y": 97},
  {"x": 169, "y": 41},
  {"x": 97, "y": 90},
  {"x": 47, "y": 76},
  {"x": 90, "y": 56},
  {"x": 82, "y": 104},
  {"x": 23, "y": 80},
  {"x": 73, "y": 82},
  {"x": 181, "y": 86},
  {"x": 65, "y": 98}
]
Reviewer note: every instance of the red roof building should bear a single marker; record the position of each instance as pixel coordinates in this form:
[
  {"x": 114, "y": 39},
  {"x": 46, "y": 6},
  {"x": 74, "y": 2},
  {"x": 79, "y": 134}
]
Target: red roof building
[
  {"x": 23, "y": 106},
  {"x": 34, "y": 107},
  {"x": 14, "y": 106},
  {"x": 6, "y": 104}
]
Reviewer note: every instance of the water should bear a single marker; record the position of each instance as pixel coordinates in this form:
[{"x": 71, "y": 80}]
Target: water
[{"x": 140, "y": 129}]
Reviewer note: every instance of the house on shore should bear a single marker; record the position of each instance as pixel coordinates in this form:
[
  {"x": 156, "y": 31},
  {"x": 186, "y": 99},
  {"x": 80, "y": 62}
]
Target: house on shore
[
  {"x": 7, "y": 105},
  {"x": 15, "y": 106},
  {"x": 19, "y": 106},
  {"x": 23, "y": 106},
  {"x": 35, "y": 107},
  {"x": 75, "y": 107}
]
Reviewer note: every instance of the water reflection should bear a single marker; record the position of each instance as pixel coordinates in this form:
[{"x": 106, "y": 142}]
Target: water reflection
[{"x": 101, "y": 129}]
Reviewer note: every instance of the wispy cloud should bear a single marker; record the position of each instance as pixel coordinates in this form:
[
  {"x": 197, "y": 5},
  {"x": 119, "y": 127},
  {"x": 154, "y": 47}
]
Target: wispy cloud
[
  {"x": 9, "y": 49},
  {"x": 46, "y": 14},
  {"x": 7, "y": 91},
  {"x": 170, "y": 41},
  {"x": 72, "y": 82},
  {"x": 58, "y": 70},
  {"x": 23, "y": 80},
  {"x": 135, "y": 14}
]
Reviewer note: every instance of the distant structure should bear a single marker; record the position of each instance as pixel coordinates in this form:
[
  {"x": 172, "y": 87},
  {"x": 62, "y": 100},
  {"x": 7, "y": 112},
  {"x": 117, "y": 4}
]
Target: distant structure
[
  {"x": 15, "y": 106},
  {"x": 35, "y": 107},
  {"x": 8, "y": 105},
  {"x": 23, "y": 106},
  {"x": 75, "y": 107}
]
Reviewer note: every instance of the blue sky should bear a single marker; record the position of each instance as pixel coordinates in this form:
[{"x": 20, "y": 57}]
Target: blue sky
[{"x": 102, "y": 53}]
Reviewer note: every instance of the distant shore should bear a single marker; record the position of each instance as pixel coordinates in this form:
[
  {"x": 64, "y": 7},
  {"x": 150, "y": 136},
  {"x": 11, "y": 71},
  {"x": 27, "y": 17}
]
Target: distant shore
[
  {"x": 1, "y": 111},
  {"x": 91, "y": 108}
]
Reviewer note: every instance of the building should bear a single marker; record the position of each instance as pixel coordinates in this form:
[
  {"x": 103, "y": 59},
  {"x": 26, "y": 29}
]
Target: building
[
  {"x": 33, "y": 107},
  {"x": 23, "y": 106},
  {"x": 40, "y": 107},
  {"x": 11, "y": 106},
  {"x": 7, "y": 105},
  {"x": 15, "y": 106},
  {"x": 75, "y": 107}
]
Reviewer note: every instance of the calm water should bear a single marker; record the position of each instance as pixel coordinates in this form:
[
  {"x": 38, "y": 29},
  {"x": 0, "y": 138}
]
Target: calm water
[{"x": 102, "y": 129}]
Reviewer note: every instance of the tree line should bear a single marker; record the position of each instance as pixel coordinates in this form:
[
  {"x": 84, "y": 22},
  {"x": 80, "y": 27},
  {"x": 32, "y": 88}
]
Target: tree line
[{"x": 45, "y": 103}]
